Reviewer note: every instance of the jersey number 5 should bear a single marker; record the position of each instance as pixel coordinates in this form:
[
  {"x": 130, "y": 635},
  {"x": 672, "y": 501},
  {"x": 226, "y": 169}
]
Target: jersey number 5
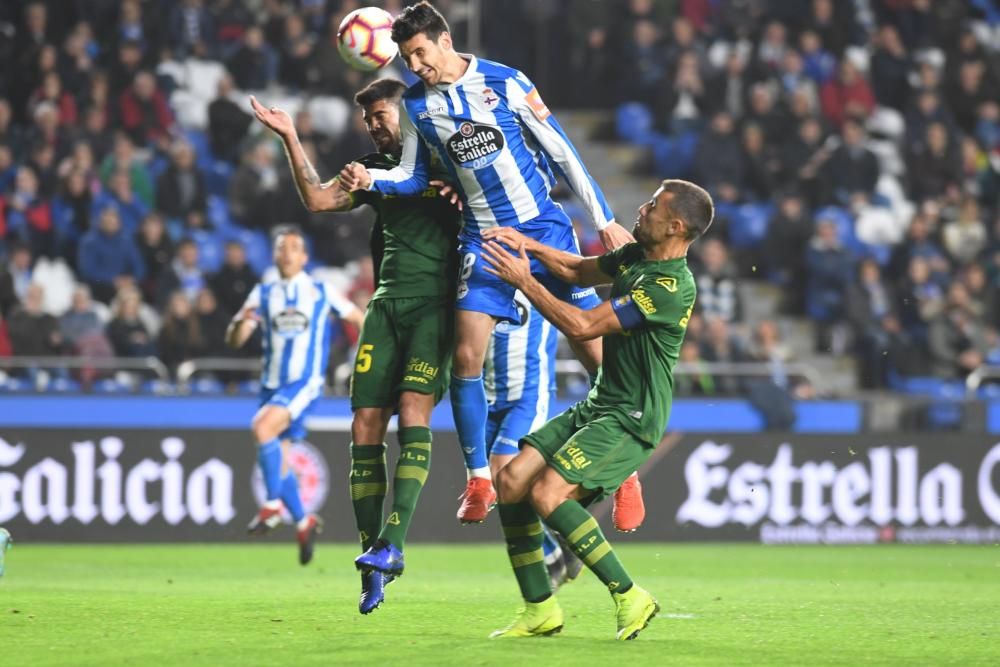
[{"x": 364, "y": 363}]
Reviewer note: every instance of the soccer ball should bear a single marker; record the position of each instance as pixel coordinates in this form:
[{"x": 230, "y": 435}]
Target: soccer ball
[{"x": 364, "y": 39}]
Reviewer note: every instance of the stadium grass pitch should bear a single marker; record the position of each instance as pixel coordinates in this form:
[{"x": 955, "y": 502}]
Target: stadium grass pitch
[{"x": 723, "y": 604}]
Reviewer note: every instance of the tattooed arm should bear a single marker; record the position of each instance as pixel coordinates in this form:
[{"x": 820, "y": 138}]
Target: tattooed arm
[{"x": 316, "y": 195}]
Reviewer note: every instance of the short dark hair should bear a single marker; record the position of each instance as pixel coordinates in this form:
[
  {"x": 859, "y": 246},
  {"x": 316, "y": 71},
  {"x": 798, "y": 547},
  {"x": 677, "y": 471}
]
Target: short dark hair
[
  {"x": 381, "y": 89},
  {"x": 416, "y": 19},
  {"x": 287, "y": 230},
  {"x": 692, "y": 204}
]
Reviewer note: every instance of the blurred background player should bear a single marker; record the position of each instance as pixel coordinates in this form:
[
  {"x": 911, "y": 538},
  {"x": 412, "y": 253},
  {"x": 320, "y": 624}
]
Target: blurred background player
[
  {"x": 520, "y": 381},
  {"x": 502, "y": 147},
  {"x": 294, "y": 313},
  {"x": 404, "y": 351},
  {"x": 585, "y": 453}
]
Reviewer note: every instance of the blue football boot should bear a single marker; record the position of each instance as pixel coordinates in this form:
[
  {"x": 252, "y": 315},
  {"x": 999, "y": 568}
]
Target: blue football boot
[
  {"x": 372, "y": 591},
  {"x": 383, "y": 557}
]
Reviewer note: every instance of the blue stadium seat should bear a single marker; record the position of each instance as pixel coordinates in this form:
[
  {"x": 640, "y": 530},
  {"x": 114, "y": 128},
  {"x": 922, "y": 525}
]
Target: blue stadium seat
[
  {"x": 158, "y": 388},
  {"x": 257, "y": 246},
  {"x": 217, "y": 175},
  {"x": 206, "y": 387},
  {"x": 209, "y": 249},
  {"x": 16, "y": 385},
  {"x": 844, "y": 221},
  {"x": 748, "y": 224},
  {"x": 218, "y": 213},
  {"x": 674, "y": 156},
  {"x": 248, "y": 388},
  {"x": 634, "y": 122},
  {"x": 63, "y": 386},
  {"x": 199, "y": 141},
  {"x": 111, "y": 386}
]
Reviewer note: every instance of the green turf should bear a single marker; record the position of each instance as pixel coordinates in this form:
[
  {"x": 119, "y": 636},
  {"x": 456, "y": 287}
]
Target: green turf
[{"x": 253, "y": 605}]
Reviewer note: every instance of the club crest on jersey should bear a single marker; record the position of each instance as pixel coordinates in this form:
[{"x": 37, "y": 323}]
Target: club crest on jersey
[
  {"x": 475, "y": 146},
  {"x": 290, "y": 322},
  {"x": 489, "y": 98}
]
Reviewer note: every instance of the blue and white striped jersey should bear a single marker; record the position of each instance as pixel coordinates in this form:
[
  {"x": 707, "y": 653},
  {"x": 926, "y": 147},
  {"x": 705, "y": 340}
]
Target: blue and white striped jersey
[
  {"x": 295, "y": 316},
  {"x": 500, "y": 143},
  {"x": 521, "y": 360}
]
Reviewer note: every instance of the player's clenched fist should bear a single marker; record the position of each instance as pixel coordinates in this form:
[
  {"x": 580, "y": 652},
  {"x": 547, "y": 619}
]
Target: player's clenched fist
[{"x": 354, "y": 177}]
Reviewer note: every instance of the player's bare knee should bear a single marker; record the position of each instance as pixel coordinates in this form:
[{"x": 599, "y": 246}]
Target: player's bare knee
[
  {"x": 368, "y": 426},
  {"x": 510, "y": 488},
  {"x": 415, "y": 409}
]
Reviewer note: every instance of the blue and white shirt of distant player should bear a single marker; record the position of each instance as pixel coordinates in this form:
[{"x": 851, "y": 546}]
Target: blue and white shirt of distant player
[{"x": 295, "y": 319}]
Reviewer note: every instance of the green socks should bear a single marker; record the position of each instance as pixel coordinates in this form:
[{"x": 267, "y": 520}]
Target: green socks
[
  {"x": 522, "y": 529},
  {"x": 585, "y": 537},
  {"x": 368, "y": 489},
  {"x": 411, "y": 474}
]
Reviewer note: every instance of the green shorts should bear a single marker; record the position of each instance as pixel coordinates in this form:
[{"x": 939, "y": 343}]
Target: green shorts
[
  {"x": 598, "y": 454},
  {"x": 405, "y": 345}
]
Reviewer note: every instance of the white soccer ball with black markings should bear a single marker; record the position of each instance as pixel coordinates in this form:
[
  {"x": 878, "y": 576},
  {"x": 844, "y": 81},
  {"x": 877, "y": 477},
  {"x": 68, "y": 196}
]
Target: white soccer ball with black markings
[{"x": 365, "y": 39}]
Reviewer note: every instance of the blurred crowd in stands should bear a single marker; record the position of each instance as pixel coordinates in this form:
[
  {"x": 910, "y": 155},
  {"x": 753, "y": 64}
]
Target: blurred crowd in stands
[{"x": 853, "y": 149}]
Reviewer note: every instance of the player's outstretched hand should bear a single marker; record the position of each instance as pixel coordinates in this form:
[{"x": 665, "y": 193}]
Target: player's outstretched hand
[
  {"x": 354, "y": 177},
  {"x": 449, "y": 192},
  {"x": 615, "y": 236},
  {"x": 513, "y": 269},
  {"x": 273, "y": 118},
  {"x": 510, "y": 237}
]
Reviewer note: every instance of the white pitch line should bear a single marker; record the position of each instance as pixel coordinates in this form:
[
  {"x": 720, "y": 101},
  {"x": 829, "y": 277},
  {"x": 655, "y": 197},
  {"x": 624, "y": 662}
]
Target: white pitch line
[{"x": 681, "y": 616}]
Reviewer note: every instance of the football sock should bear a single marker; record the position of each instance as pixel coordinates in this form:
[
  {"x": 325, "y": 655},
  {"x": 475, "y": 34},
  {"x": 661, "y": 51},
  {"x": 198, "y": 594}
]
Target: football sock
[
  {"x": 550, "y": 548},
  {"x": 411, "y": 474},
  {"x": 368, "y": 490},
  {"x": 522, "y": 530},
  {"x": 290, "y": 496},
  {"x": 585, "y": 537},
  {"x": 269, "y": 459},
  {"x": 468, "y": 405}
]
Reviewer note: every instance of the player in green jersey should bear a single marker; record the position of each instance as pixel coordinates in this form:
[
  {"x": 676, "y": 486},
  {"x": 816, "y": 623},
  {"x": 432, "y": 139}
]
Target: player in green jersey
[
  {"x": 585, "y": 453},
  {"x": 404, "y": 352}
]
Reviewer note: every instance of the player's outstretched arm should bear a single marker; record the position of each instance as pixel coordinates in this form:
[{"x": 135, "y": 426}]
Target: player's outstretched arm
[
  {"x": 316, "y": 196},
  {"x": 410, "y": 178},
  {"x": 569, "y": 268},
  {"x": 576, "y": 324},
  {"x": 242, "y": 327}
]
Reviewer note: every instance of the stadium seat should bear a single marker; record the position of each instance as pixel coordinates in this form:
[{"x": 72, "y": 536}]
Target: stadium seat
[
  {"x": 63, "y": 386},
  {"x": 748, "y": 224},
  {"x": 217, "y": 175},
  {"x": 209, "y": 249},
  {"x": 206, "y": 387},
  {"x": 248, "y": 388},
  {"x": 634, "y": 122},
  {"x": 111, "y": 386},
  {"x": 257, "y": 246},
  {"x": 218, "y": 213},
  {"x": 157, "y": 388},
  {"x": 15, "y": 385},
  {"x": 199, "y": 141}
]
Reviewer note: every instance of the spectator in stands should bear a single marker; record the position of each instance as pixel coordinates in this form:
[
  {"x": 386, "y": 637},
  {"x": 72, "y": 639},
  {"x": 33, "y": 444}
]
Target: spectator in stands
[
  {"x": 984, "y": 298},
  {"x": 127, "y": 65},
  {"x": 718, "y": 294},
  {"x": 972, "y": 89},
  {"x": 233, "y": 282},
  {"x": 988, "y": 125},
  {"x": 227, "y": 123},
  {"x": 919, "y": 242},
  {"x": 761, "y": 167},
  {"x": 684, "y": 101},
  {"x": 719, "y": 160},
  {"x": 926, "y": 111},
  {"x": 719, "y": 344},
  {"x": 254, "y": 192},
  {"x": 231, "y": 18},
  {"x": 121, "y": 197},
  {"x": 132, "y": 27},
  {"x": 979, "y": 177},
  {"x": 190, "y": 29},
  {"x": 296, "y": 52},
  {"x": 10, "y": 134},
  {"x": 764, "y": 113},
  {"x": 123, "y": 157},
  {"x": 71, "y": 212},
  {"x": 774, "y": 395},
  {"x": 156, "y": 251},
  {"x": 847, "y": 96},
  {"x": 890, "y": 69},
  {"x": 180, "y": 190},
  {"x": 212, "y": 324},
  {"x": 920, "y": 300},
  {"x": 144, "y": 112},
  {"x": 957, "y": 339},
  {"x": 128, "y": 334},
  {"x": 820, "y": 64},
  {"x": 869, "y": 306},
  {"x": 830, "y": 270},
  {"x": 802, "y": 158},
  {"x": 643, "y": 79},
  {"x": 108, "y": 257},
  {"x": 183, "y": 276},
  {"x": 933, "y": 167},
  {"x": 27, "y": 217},
  {"x": 327, "y": 75},
  {"x": 788, "y": 236},
  {"x": 15, "y": 277},
  {"x": 95, "y": 130},
  {"x": 797, "y": 87},
  {"x": 180, "y": 336},
  {"x": 82, "y": 320},
  {"x": 52, "y": 91},
  {"x": 728, "y": 89},
  {"x": 253, "y": 65},
  {"x": 853, "y": 170},
  {"x": 32, "y": 331},
  {"x": 771, "y": 49},
  {"x": 833, "y": 22},
  {"x": 965, "y": 237},
  {"x": 697, "y": 381}
]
